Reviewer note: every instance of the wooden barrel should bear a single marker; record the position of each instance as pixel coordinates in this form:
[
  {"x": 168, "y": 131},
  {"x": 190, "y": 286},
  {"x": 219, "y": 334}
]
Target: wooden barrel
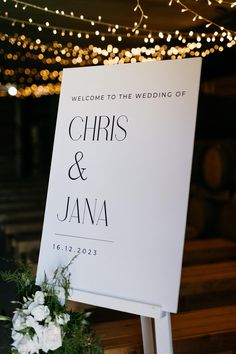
[
  {"x": 203, "y": 216},
  {"x": 227, "y": 221},
  {"x": 218, "y": 167}
]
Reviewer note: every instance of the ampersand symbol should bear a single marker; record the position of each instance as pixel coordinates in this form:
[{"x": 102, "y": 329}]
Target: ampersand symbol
[{"x": 78, "y": 157}]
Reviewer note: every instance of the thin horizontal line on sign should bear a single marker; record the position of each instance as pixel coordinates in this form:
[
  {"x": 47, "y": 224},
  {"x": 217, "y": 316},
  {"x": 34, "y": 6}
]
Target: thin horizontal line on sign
[{"x": 85, "y": 238}]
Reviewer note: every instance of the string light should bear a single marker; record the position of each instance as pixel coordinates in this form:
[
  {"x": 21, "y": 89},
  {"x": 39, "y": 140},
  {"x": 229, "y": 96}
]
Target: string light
[
  {"x": 223, "y": 2},
  {"x": 142, "y": 17},
  {"x": 111, "y": 28},
  {"x": 12, "y": 90},
  {"x": 138, "y": 6},
  {"x": 72, "y": 15},
  {"x": 87, "y": 34},
  {"x": 185, "y": 8},
  {"x": 63, "y": 30},
  {"x": 58, "y": 54}
]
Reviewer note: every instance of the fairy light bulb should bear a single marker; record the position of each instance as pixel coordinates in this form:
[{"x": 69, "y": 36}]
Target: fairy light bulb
[{"x": 12, "y": 91}]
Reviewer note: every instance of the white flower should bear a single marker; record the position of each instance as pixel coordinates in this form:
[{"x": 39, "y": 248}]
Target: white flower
[
  {"x": 25, "y": 307},
  {"x": 40, "y": 312},
  {"x": 18, "y": 321},
  {"x": 39, "y": 297},
  {"x": 31, "y": 322},
  {"x": 60, "y": 293},
  {"x": 32, "y": 305},
  {"x": 35, "y": 345},
  {"x": 16, "y": 336},
  {"x": 62, "y": 319},
  {"x": 51, "y": 337},
  {"x": 27, "y": 345}
]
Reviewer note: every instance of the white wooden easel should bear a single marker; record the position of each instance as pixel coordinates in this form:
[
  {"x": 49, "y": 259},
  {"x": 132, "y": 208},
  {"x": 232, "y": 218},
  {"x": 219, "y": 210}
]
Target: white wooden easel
[{"x": 157, "y": 340}]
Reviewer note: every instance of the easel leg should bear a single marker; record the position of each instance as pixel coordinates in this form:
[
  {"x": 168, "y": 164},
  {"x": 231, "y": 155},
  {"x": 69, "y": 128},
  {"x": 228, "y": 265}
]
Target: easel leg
[
  {"x": 147, "y": 334},
  {"x": 163, "y": 334}
]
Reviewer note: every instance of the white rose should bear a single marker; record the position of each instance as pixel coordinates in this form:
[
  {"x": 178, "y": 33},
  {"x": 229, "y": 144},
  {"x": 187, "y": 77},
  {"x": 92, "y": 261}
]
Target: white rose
[
  {"x": 32, "y": 305},
  {"x": 51, "y": 338},
  {"x": 18, "y": 321},
  {"x": 31, "y": 322},
  {"x": 27, "y": 345},
  {"x": 40, "y": 312},
  {"x": 39, "y": 297},
  {"x": 63, "y": 319}
]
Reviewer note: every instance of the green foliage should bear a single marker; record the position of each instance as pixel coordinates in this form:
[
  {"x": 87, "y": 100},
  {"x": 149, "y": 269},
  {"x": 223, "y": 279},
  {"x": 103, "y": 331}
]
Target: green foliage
[
  {"x": 78, "y": 337},
  {"x": 23, "y": 279}
]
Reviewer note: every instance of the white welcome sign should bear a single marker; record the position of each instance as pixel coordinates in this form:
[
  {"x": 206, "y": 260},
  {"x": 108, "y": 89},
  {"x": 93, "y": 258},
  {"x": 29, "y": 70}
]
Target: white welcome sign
[{"x": 119, "y": 183}]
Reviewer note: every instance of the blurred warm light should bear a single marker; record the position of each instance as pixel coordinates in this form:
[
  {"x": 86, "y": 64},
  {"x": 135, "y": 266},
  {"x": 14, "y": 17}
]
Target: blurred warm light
[
  {"x": 12, "y": 91},
  {"x": 64, "y": 50}
]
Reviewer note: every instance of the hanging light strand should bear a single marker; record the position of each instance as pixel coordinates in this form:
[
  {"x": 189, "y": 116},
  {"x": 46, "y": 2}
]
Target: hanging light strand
[
  {"x": 46, "y": 25},
  {"x": 73, "y": 16},
  {"x": 222, "y": 2},
  {"x": 69, "y": 49},
  {"x": 197, "y": 16},
  {"x": 142, "y": 17},
  {"x": 72, "y": 31},
  {"x": 112, "y": 28},
  {"x": 163, "y": 34}
]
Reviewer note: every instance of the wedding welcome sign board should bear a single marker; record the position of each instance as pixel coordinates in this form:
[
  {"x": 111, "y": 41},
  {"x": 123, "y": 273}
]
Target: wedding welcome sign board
[{"x": 119, "y": 183}]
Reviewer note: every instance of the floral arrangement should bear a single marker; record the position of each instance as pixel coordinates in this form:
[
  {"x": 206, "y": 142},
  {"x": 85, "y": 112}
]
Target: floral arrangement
[{"x": 41, "y": 323}]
